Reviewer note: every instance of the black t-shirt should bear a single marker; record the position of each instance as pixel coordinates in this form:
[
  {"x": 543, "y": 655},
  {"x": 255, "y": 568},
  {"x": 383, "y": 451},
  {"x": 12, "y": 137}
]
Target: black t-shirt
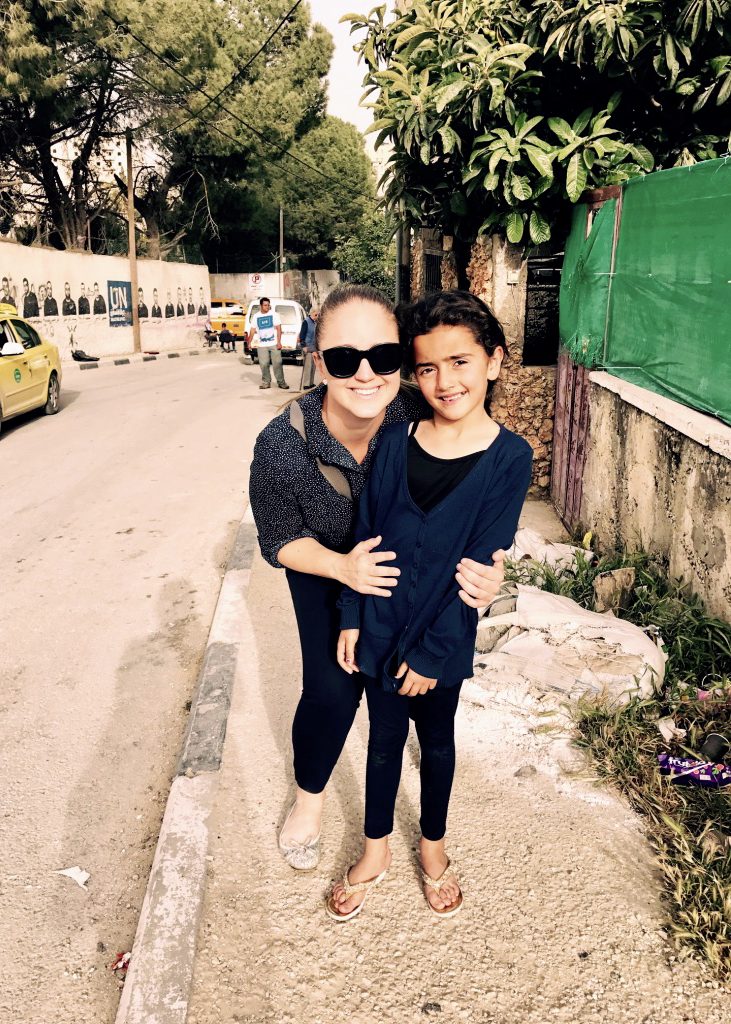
[{"x": 431, "y": 479}]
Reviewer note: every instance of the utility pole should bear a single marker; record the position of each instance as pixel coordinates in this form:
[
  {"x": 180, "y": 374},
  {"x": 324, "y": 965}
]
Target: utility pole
[
  {"x": 281, "y": 246},
  {"x": 399, "y": 246},
  {"x": 137, "y": 343}
]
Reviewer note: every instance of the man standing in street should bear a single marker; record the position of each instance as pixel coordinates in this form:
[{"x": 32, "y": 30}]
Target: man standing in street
[
  {"x": 307, "y": 344},
  {"x": 267, "y": 326}
]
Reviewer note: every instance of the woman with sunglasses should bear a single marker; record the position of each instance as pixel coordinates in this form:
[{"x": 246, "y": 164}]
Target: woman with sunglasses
[{"x": 309, "y": 468}]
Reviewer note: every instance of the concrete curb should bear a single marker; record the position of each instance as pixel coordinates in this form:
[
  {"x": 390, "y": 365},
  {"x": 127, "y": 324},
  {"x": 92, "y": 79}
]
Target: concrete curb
[
  {"x": 160, "y": 976},
  {"x": 137, "y": 357}
]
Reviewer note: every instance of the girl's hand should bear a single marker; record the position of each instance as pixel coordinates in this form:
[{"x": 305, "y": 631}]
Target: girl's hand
[
  {"x": 362, "y": 571},
  {"x": 346, "y": 650},
  {"x": 480, "y": 583},
  {"x": 414, "y": 684}
]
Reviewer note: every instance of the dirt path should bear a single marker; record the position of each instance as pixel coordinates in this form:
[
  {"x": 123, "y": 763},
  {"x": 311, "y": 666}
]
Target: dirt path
[{"x": 562, "y": 920}]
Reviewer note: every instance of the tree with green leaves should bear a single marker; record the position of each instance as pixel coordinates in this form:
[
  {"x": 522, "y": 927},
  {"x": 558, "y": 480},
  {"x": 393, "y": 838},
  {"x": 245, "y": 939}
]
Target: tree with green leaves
[
  {"x": 74, "y": 75},
  {"x": 70, "y": 82},
  {"x": 367, "y": 254},
  {"x": 485, "y": 102}
]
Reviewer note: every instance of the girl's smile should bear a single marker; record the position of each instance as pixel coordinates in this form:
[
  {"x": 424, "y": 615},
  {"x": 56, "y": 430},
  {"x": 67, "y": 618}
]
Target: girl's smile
[{"x": 453, "y": 369}]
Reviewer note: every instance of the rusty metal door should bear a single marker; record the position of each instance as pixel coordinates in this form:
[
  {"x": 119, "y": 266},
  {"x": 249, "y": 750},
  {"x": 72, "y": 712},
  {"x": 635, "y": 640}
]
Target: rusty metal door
[{"x": 570, "y": 433}]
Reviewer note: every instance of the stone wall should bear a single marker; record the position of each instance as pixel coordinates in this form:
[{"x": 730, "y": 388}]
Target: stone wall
[
  {"x": 524, "y": 396},
  {"x": 658, "y": 479}
]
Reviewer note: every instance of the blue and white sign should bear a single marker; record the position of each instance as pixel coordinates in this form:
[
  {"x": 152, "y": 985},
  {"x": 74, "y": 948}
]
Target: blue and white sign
[{"x": 120, "y": 303}]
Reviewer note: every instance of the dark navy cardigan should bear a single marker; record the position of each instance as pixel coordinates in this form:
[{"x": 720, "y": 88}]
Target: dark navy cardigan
[{"x": 425, "y": 622}]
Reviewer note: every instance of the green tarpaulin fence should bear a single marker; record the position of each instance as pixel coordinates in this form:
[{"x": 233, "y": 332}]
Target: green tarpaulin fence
[{"x": 663, "y": 318}]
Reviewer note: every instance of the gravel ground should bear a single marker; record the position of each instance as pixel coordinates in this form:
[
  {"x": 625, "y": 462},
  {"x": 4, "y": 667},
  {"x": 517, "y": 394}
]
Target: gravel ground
[{"x": 562, "y": 918}]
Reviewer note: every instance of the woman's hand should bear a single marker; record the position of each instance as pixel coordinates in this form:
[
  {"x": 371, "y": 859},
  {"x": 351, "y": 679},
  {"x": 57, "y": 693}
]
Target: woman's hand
[
  {"x": 414, "y": 684},
  {"x": 480, "y": 583},
  {"x": 362, "y": 569},
  {"x": 346, "y": 650}
]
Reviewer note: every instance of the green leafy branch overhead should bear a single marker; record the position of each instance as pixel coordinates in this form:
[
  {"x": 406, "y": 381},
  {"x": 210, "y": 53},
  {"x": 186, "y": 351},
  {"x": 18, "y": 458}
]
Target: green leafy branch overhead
[{"x": 500, "y": 113}]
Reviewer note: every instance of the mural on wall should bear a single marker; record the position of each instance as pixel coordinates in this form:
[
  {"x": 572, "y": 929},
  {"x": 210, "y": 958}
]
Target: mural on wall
[{"x": 37, "y": 301}]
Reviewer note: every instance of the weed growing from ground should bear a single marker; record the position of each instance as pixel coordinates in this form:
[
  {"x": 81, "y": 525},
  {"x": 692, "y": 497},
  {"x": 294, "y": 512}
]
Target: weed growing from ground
[{"x": 689, "y": 828}]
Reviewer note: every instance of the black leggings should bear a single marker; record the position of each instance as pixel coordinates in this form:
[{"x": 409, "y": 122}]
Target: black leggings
[
  {"x": 433, "y": 715},
  {"x": 330, "y": 697}
]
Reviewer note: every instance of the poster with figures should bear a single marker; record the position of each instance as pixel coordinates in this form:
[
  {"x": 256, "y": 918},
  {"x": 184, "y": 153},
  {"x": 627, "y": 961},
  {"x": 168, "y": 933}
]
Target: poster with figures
[
  {"x": 79, "y": 300},
  {"x": 120, "y": 303}
]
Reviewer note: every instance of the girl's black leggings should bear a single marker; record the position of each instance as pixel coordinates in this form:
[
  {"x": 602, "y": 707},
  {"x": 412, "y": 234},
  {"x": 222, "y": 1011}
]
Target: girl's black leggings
[
  {"x": 433, "y": 715},
  {"x": 330, "y": 697}
]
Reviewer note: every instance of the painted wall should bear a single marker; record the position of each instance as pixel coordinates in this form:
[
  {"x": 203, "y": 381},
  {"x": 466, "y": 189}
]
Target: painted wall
[
  {"x": 55, "y": 289},
  {"x": 306, "y": 286},
  {"x": 658, "y": 479}
]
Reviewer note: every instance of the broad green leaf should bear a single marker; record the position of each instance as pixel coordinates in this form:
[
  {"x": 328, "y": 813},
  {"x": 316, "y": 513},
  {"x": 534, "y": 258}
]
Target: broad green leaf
[
  {"x": 458, "y": 204},
  {"x": 425, "y": 152},
  {"x": 538, "y": 228},
  {"x": 521, "y": 188},
  {"x": 411, "y": 34},
  {"x": 725, "y": 91},
  {"x": 491, "y": 182},
  {"x": 448, "y": 94},
  {"x": 449, "y": 137},
  {"x": 575, "y": 178},
  {"x": 541, "y": 186},
  {"x": 514, "y": 227},
  {"x": 643, "y": 156},
  {"x": 614, "y": 101},
  {"x": 561, "y": 128},
  {"x": 582, "y": 121},
  {"x": 541, "y": 161}
]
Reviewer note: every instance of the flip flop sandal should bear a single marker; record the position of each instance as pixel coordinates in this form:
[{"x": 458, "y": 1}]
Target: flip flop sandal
[
  {"x": 436, "y": 884},
  {"x": 349, "y": 889}
]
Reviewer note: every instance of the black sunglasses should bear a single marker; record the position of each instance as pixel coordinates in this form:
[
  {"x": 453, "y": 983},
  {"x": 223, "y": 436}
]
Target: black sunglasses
[{"x": 344, "y": 360}]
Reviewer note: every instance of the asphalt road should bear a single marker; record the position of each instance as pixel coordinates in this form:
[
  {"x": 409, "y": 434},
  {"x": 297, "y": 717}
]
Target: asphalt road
[{"x": 117, "y": 517}]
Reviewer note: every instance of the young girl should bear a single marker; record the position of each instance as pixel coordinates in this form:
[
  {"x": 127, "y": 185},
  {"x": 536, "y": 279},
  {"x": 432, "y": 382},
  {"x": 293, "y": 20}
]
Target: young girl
[{"x": 442, "y": 486}]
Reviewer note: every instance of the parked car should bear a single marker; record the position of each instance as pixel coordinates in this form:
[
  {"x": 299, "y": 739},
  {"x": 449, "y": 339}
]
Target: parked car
[
  {"x": 229, "y": 312},
  {"x": 291, "y": 314},
  {"x": 30, "y": 368}
]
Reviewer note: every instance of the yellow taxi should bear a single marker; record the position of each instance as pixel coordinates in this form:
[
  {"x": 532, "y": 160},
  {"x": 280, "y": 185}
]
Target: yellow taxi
[
  {"x": 30, "y": 368},
  {"x": 231, "y": 313}
]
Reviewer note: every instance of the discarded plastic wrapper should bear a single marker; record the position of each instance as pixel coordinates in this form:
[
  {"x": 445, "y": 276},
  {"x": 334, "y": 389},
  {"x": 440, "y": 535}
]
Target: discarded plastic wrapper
[
  {"x": 121, "y": 962},
  {"x": 553, "y": 643},
  {"x": 689, "y": 771},
  {"x": 76, "y": 873},
  {"x": 529, "y": 544},
  {"x": 670, "y": 731}
]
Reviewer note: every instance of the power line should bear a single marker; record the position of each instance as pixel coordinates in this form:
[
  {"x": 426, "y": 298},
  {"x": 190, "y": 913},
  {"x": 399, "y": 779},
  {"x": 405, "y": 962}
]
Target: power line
[
  {"x": 241, "y": 72},
  {"x": 227, "y": 110}
]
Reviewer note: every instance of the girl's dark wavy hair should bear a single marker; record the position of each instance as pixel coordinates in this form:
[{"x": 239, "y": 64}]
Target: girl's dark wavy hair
[
  {"x": 344, "y": 294},
  {"x": 449, "y": 309}
]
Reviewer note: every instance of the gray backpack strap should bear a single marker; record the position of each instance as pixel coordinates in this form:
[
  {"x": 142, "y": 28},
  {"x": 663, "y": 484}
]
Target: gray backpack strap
[{"x": 334, "y": 476}]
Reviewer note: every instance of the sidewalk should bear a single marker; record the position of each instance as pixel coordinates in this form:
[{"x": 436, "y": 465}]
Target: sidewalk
[{"x": 562, "y": 920}]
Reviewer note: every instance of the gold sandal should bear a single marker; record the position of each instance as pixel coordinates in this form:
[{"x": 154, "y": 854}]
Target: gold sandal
[
  {"x": 436, "y": 884},
  {"x": 350, "y": 889}
]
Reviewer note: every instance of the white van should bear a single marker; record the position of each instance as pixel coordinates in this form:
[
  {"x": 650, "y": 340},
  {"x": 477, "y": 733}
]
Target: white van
[{"x": 291, "y": 314}]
